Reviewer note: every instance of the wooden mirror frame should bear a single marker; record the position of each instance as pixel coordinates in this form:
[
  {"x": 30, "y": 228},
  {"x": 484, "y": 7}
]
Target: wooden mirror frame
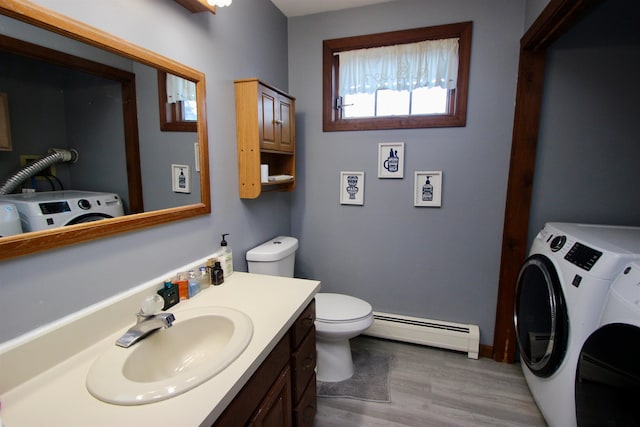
[{"x": 38, "y": 241}]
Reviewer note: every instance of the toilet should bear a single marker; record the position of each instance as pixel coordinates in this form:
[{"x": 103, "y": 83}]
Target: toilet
[{"x": 338, "y": 317}]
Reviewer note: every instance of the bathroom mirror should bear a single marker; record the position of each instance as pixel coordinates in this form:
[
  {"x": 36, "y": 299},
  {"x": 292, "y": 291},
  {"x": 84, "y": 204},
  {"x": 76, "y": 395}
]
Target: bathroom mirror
[{"x": 143, "y": 171}]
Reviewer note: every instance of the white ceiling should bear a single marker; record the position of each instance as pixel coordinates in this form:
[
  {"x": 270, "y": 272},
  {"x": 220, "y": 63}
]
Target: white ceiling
[{"x": 308, "y": 7}]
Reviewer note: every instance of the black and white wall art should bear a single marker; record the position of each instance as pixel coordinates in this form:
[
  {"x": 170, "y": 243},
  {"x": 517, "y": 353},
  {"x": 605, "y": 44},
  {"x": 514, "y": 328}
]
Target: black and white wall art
[
  {"x": 352, "y": 188},
  {"x": 391, "y": 160},
  {"x": 428, "y": 189}
]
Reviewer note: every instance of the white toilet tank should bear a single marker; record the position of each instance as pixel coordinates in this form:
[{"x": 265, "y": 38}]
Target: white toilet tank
[{"x": 275, "y": 257}]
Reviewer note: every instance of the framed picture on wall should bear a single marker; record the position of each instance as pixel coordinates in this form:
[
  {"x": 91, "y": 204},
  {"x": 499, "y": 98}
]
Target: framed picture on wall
[
  {"x": 391, "y": 160},
  {"x": 352, "y": 188},
  {"x": 180, "y": 179},
  {"x": 428, "y": 189}
]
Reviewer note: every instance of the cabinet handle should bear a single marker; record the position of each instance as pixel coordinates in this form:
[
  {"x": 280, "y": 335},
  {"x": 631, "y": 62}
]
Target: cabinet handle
[
  {"x": 278, "y": 122},
  {"x": 309, "y": 361}
]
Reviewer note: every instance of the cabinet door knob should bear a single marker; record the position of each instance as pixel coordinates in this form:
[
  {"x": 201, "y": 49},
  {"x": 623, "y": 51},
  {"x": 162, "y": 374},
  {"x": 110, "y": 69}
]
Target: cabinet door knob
[{"x": 278, "y": 122}]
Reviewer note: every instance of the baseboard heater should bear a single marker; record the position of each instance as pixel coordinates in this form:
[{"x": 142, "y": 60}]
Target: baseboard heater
[{"x": 435, "y": 333}]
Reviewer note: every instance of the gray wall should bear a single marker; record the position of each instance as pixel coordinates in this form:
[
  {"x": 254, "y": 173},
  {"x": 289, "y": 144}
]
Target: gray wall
[
  {"x": 586, "y": 164},
  {"x": 159, "y": 150},
  {"x": 534, "y": 7},
  {"x": 438, "y": 263},
  {"x": 245, "y": 40}
]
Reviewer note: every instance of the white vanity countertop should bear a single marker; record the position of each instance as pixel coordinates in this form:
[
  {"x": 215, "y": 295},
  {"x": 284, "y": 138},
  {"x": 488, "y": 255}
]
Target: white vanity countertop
[{"x": 58, "y": 396}]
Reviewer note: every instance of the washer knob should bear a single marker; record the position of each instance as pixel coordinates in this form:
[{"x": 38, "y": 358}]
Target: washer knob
[
  {"x": 84, "y": 204},
  {"x": 557, "y": 243}
]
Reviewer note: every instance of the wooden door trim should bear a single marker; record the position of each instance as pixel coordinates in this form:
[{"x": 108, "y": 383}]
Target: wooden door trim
[{"x": 555, "y": 20}]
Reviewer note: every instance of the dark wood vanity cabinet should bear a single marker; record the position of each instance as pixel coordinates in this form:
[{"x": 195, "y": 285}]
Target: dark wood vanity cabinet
[
  {"x": 303, "y": 367},
  {"x": 282, "y": 392}
]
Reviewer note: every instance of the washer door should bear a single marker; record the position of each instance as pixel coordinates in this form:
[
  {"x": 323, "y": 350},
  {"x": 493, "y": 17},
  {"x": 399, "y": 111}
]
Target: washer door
[
  {"x": 90, "y": 217},
  {"x": 540, "y": 316},
  {"x": 608, "y": 377}
]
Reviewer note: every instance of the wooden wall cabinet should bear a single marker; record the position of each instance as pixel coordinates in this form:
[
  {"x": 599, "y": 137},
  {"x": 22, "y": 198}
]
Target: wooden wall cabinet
[
  {"x": 265, "y": 121},
  {"x": 282, "y": 392}
]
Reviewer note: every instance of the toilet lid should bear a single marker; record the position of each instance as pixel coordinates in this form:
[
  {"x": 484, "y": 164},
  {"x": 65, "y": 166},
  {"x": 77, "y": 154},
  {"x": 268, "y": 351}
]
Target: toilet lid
[{"x": 340, "y": 308}]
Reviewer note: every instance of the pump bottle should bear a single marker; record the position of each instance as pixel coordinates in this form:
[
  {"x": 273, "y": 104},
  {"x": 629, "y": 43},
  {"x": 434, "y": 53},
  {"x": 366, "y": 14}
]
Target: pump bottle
[{"x": 226, "y": 257}]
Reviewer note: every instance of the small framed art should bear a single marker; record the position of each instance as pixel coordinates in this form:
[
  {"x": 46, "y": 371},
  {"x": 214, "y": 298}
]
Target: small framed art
[
  {"x": 352, "y": 188},
  {"x": 391, "y": 160},
  {"x": 428, "y": 189},
  {"x": 180, "y": 179}
]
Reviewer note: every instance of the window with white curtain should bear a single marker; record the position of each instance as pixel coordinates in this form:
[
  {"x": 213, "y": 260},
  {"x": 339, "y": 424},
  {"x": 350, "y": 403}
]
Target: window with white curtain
[
  {"x": 183, "y": 92},
  {"x": 403, "y": 79}
]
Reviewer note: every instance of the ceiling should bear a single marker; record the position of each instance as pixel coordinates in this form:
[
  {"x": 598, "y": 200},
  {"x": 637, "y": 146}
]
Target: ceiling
[{"x": 292, "y": 8}]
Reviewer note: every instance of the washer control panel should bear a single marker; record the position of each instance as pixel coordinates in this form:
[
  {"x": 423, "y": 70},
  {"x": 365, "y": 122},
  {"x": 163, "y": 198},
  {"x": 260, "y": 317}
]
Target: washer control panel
[{"x": 583, "y": 256}]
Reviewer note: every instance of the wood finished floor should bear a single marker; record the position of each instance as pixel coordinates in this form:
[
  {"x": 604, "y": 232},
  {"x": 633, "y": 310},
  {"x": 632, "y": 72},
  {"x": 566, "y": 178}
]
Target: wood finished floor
[{"x": 434, "y": 387}]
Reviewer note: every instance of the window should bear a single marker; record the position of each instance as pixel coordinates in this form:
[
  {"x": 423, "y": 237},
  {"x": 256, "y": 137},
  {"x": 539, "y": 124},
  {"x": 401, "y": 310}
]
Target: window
[
  {"x": 178, "y": 106},
  {"x": 403, "y": 79}
]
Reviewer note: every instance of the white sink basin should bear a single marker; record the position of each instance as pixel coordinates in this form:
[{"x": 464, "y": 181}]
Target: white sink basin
[{"x": 200, "y": 344}]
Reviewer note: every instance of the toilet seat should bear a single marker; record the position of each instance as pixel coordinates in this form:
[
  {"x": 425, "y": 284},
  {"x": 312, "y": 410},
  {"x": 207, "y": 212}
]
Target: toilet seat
[{"x": 338, "y": 308}]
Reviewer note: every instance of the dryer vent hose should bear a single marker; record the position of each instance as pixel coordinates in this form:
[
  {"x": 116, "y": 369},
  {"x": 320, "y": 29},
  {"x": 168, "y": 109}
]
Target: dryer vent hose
[{"x": 56, "y": 155}]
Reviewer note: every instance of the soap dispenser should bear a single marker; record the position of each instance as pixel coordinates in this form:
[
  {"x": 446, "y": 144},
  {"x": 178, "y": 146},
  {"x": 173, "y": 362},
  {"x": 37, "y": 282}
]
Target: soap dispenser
[{"x": 226, "y": 259}]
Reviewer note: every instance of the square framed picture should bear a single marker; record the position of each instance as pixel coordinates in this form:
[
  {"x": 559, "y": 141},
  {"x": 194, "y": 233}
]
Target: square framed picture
[
  {"x": 428, "y": 189},
  {"x": 352, "y": 188},
  {"x": 180, "y": 179},
  {"x": 391, "y": 160}
]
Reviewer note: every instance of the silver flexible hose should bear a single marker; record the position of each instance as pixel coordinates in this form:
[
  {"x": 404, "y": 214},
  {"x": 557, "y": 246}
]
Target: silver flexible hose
[{"x": 56, "y": 155}]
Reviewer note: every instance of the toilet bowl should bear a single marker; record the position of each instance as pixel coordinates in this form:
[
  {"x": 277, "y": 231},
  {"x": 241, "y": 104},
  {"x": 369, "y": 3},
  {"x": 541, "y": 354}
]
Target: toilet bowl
[{"x": 338, "y": 317}]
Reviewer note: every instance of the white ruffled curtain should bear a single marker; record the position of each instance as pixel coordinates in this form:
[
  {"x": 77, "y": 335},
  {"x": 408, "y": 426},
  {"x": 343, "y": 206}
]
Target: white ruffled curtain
[
  {"x": 179, "y": 89},
  {"x": 429, "y": 63}
]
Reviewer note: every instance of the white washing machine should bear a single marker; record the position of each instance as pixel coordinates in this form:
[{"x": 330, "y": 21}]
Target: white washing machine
[
  {"x": 561, "y": 292},
  {"x": 607, "y": 382},
  {"x": 9, "y": 220},
  {"x": 52, "y": 209}
]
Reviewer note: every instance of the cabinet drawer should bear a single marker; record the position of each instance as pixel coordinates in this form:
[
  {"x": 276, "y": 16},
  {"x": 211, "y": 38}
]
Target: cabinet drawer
[
  {"x": 303, "y": 324},
  {"x": 304, "y": 364},
  {"x": 305, "y": 411}
]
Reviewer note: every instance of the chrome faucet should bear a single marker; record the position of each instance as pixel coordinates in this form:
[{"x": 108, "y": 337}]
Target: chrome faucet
[{"x": 145, "y": 325}]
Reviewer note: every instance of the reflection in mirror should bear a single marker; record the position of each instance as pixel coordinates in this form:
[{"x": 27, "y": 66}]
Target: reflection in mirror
[
  {"x": 177, "y": 102},
  {"x": 68, "y": 102},
  {"x": 83, "y": 117}
]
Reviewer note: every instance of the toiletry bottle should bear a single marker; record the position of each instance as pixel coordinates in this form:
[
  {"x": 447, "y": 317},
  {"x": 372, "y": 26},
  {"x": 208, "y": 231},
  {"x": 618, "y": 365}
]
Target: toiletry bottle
[
  {"x": 203, "y": 277},
  {"x": 194, "y": 284},
  {"x": 427, "y": 191},
  {"x": 217, "y": 275},
  {"x": 227, "y": 257},
  {"x": 169, "y": 294},
  {"x": 183, "y": 286}
]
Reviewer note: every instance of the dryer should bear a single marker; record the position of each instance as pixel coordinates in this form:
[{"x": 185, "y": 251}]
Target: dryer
[
  {"x": 607, "y": 384},
  {"x": 52, "y": 209},
  {"x": 560, "y": 294}
]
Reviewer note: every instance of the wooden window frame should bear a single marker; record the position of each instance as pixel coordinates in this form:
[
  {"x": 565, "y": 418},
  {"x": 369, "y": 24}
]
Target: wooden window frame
[{"x": 457, "y": 115}]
